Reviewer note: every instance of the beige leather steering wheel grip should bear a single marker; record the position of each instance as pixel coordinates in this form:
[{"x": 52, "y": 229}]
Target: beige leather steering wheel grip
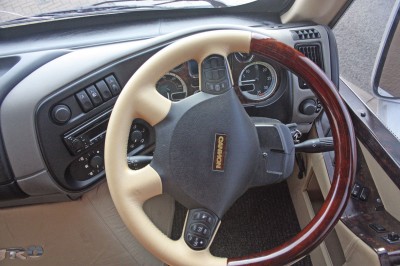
[{"x": 139, "y": 99}]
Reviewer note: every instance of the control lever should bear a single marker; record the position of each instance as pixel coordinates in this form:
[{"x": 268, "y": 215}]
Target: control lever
[
  {"x": 138, "y": 161},
  {"x": 315, "y": 145}
]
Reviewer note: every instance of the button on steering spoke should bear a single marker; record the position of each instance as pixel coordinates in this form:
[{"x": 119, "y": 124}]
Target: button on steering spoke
[
  {"x": 215, "y": 75},
  {"x": 201, "y": 225}
]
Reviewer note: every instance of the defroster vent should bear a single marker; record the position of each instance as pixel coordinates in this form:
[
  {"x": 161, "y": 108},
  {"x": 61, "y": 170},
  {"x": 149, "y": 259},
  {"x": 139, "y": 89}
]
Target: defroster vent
[{"x": 314, "y": 53}]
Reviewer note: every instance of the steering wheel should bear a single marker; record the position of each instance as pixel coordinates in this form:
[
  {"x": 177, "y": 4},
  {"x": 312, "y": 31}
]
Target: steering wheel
[{"x": 208, "y": 149}]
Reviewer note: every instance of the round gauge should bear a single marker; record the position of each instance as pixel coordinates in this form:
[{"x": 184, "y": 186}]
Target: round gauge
[
  {"x": 257, "y": 81},
  {"x": 172, "y": 87},
  {"x": 243, "y": 57}
]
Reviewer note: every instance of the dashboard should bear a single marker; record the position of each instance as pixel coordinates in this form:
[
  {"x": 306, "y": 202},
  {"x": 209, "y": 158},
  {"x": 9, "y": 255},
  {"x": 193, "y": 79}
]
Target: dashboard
[{"x": 57, "y": 115}]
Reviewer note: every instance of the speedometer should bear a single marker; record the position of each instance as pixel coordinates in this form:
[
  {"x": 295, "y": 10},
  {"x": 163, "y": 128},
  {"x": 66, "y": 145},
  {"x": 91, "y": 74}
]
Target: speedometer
[
  {"x": 172, "y": 87},
  {"x": 257, "y": 81}
]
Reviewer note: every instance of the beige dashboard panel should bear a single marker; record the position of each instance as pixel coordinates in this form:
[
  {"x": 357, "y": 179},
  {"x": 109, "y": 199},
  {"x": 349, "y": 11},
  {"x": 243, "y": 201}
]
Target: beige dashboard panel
[{"x": 388, "y": 190}]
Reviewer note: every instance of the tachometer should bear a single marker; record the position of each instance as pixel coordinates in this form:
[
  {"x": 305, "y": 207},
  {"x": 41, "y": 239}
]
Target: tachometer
[
  {"x": 172, "y": 87},
  {"x": 257, "y": 81}
]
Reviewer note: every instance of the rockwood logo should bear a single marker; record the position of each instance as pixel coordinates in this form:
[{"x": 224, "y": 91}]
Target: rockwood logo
[
  {"x": 32, "y": 252},
  {"x": 219, "y": 152}
]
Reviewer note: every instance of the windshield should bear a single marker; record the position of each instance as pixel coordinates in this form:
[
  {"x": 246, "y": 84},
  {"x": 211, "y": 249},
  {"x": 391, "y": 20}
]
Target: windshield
[{"x": 17, "y": 11}]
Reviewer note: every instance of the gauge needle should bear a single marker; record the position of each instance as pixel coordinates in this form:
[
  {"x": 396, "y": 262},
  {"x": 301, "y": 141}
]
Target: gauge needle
[
  {"x": 258, "y": 72},
  {"x": 168, "y": 93},
  {"x": 248, "y": 81}
]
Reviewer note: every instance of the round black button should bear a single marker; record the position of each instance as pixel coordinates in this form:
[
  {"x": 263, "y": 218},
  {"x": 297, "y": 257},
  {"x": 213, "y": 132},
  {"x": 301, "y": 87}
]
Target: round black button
[
  {"x": 96, "y": 162},
  {"x": 308, "y": 107},
  {"x": 61, "y": 114},
  {"x": 136, "y": 136}
]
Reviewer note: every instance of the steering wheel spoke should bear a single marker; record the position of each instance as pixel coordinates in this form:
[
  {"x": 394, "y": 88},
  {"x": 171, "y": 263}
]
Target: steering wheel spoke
[
  {"x": 150, "y": 105},
  {"x": 141, "y": 184}
]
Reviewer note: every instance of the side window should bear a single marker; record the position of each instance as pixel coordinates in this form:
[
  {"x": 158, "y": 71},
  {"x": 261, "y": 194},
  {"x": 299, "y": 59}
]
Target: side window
[
  {"x": 386, "y": 78},
  {"x": 360, "y": 36}
]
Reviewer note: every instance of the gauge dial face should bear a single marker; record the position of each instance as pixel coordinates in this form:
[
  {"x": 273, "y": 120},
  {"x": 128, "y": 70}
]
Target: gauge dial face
[
  {"x": 172, "y": 87},
  {"x": 243, "y": 57},
  {"x": 257, "y": 81}
]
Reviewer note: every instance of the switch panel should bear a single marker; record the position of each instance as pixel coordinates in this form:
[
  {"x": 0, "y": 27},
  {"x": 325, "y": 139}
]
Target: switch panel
[
  {"x": 377, "y": 228},
  {"x": 200, "y": 228}
]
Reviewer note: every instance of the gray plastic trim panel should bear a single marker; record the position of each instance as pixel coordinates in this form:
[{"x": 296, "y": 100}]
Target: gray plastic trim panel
[
  {"x": 35, "y": 200},
  {"x": 38, "y": 184}
]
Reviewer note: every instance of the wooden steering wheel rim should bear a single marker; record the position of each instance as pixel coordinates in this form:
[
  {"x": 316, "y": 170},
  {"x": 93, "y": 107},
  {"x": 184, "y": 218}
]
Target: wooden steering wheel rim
[{"x": 345, "y": 155}]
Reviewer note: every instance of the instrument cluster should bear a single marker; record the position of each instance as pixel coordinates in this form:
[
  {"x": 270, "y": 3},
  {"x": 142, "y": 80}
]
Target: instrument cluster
[{"x": 256, "y": 79}]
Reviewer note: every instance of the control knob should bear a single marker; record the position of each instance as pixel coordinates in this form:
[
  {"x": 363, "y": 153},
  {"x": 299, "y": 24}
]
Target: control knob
[
  {"x": 96, "y": 162},
  {"x": 308, "y": 107},
  {"x": 393, "y": 237},
  {"x": 61, "y": 114},
  {"x": 136, "y": 136}
]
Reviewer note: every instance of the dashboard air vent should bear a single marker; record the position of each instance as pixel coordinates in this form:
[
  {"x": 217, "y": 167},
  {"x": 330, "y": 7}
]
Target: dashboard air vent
[
  {"x": 306, "y": 34},
  {"x": 314, "y": 53}
]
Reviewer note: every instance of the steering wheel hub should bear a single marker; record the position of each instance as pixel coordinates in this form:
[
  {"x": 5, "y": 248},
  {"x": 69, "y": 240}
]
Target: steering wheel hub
[{"x": 207, "y": 144}]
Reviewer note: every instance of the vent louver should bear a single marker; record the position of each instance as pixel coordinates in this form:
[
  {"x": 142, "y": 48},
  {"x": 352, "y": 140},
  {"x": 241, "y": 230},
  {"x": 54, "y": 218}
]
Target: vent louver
[
  {"x": 306, "y": 34},
  {"x": 314, "y": 53}
]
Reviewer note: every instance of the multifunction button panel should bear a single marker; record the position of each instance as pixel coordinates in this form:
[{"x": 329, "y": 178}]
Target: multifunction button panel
[
  {"x": 86, "y": 99},
  {"x": 215, "y": 76},
  {"x": 200, "y": 227},
  {"x": 98, "y": 93}
]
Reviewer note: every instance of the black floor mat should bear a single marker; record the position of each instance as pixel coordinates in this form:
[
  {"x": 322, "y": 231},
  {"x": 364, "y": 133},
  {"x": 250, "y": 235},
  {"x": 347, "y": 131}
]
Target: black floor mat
[{"x": 261, "y": 219}]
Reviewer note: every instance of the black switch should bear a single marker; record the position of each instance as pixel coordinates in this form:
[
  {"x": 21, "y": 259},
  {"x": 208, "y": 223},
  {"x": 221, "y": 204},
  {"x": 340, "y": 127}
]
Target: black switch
[
  {"x": 84, "y": 101},
  {"x": 393, "y": 236},
  {"x": 364, "y": 194},
  {"x": 197, "y": 215},
  {"x": 113, "y": 85},
  {"x": 356, "y": 190},
  {"x": 195, "y": 242},
  {"x": 104, "y": 91},
  {"x": 94, "y": 95},
  {"x": 200, "y": 229},
  {"x": 378, "y": 228},
  {"x": 302, "y": 84},
  {"x": 206, "y": 218}
]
